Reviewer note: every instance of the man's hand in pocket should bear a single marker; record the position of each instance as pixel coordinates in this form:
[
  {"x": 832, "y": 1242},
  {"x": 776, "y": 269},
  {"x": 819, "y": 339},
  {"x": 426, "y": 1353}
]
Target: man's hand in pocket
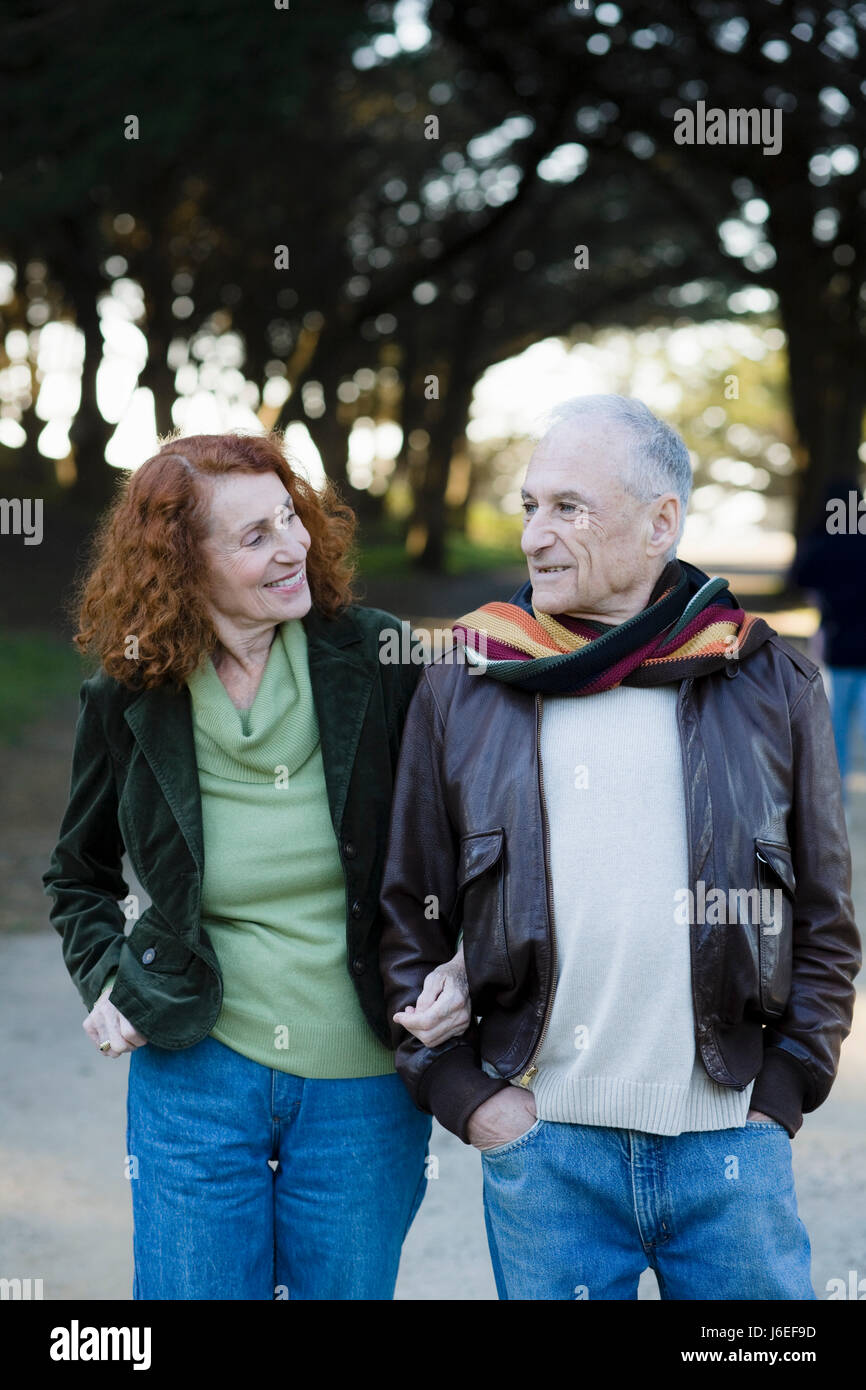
[{"x": 505, "y": 1116}]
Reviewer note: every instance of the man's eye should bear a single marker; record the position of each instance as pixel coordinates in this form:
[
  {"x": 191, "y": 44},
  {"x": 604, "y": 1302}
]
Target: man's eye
[
  {"x": 528, "y": 507},
  {"x": 255, "y": 541}
]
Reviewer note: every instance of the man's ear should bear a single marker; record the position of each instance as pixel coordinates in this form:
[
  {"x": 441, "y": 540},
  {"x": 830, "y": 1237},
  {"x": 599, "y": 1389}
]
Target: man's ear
[{"x": 664, "y": 523}]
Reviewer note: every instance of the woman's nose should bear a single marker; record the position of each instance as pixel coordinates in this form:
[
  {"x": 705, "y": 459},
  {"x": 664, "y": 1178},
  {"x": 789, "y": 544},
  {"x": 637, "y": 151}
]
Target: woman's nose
[{"x": 292, "y": 543}]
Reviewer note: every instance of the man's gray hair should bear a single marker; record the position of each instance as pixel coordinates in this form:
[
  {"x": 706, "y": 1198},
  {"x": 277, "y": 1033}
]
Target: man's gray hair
[{"x": 658, "y": 460}]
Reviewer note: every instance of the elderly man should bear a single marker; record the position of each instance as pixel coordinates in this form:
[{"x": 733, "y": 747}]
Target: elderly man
[{"x": 628, "y": 802}]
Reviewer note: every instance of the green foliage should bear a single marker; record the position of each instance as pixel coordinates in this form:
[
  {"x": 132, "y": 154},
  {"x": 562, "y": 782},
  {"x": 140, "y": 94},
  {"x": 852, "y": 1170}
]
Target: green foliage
[
  {"x": 258, "y": 129},
  {"x": 36, "y": 668},
  {"x": 492, "y": 541}
]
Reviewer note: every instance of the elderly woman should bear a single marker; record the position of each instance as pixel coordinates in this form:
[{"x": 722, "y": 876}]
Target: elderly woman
[{"x": 240, "y": 742}]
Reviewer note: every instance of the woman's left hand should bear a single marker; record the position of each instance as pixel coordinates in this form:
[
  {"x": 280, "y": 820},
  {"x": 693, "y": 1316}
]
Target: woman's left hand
[
  {"x": 442, "y": 1009},
  {"x": 106, "y": 1024}
]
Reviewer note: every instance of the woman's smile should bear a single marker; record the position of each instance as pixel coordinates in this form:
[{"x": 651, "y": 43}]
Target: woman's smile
[{"x": 289, "y": 583}]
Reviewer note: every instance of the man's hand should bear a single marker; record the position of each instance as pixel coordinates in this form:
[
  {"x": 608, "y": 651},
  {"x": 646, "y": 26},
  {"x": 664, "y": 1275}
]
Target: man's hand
[
  {"x": 105, "y": 1023},
  {"x": 442, "y": 1009},
  {"x": 505, "y": 1116}
]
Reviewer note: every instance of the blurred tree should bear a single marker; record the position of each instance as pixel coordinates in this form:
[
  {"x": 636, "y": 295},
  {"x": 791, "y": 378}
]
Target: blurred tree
[
  {"x": 431, "y": 197},
  {"x": 792, "y": 221}
]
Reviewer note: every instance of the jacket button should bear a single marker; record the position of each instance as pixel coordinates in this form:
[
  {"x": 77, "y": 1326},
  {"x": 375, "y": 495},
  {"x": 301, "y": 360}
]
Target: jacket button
[
  {"x": 149, "y": 955},
  {"x": 356, "y": 908},
  {"x": 358, "y": 966},
  {"x": 349, "y": 849}
]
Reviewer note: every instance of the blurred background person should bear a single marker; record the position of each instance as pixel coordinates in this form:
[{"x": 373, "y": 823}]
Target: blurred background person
[{"x": 832, "y": 564}]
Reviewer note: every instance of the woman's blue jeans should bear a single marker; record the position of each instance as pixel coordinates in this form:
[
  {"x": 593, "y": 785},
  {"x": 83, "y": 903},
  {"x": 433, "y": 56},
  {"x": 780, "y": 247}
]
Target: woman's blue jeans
[
  {"x": 213, "y": 1220},
  {"x": 580, "y": 1211}
]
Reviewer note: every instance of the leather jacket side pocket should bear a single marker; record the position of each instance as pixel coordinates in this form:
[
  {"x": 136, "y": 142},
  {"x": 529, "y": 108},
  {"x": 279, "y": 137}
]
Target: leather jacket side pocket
[
  {"x": 777, "y": 885},
  {"x": 480, "y": 910}
]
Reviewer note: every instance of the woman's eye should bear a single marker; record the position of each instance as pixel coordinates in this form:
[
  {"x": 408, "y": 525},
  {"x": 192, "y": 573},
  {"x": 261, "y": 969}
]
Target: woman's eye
[
  {"x": 567, "y": 506},
  {"x": 255, "y": 541}
]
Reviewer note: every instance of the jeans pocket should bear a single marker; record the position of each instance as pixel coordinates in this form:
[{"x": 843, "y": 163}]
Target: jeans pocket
[
  {"x": 766, "y": 1124},
  {"x": 512, "y": 1143}
]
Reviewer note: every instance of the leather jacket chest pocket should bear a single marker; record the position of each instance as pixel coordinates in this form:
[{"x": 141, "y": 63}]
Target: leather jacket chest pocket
[
  {"x": 480, "y": 911},
  {"x": 777, "y": 885}
]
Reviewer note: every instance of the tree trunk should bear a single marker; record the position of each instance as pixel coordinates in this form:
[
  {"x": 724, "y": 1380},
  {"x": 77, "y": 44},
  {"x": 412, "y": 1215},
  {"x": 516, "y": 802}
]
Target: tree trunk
[
  {"x": 828, "y": 397},
  {"x": 330, "y": 435},
  {"x": 89, "y": 433},
  {"x": 75, "y": 259},
  {"x": 826, "y": 357},
  {"x": 158, "y": 377},
  {"x": 445, "y": 427},
  {"x": 25, "y": 472}
]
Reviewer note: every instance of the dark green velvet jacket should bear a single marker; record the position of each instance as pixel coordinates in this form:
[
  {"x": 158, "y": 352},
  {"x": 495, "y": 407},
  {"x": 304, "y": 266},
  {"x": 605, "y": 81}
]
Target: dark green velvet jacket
[{"x": 135, "y": 786}]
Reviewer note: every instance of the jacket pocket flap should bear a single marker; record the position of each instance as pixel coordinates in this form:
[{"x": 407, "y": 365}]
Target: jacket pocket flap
[
  {"x": 158, "y": 950},
  {"x": 779, "y": 859},
  {"x": 478, "y": 852}
]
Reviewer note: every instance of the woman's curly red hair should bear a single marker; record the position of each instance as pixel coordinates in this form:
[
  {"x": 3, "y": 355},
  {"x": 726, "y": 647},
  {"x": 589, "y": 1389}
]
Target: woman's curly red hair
[{"x": 147, "y": 575}]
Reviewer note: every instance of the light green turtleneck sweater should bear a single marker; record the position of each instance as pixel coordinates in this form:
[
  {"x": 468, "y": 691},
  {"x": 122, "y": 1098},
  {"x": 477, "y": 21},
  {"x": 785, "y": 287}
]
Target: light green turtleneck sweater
[{"x": 273, "y": 893}]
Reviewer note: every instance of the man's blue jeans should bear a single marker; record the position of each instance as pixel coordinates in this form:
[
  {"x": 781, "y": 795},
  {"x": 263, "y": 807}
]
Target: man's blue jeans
[
  {"x": 214, "y": 1221},
  {"x": 847, "y": 700},
  {"x": 580, "y": 1211}
]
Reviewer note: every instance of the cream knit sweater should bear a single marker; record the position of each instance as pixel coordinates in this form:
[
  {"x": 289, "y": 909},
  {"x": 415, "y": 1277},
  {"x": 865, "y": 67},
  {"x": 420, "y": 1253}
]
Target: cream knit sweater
[{"x": 620, "y": 1047}]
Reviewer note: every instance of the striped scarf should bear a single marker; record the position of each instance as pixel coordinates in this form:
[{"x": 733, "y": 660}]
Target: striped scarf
[{"x": 690, "y": 627}]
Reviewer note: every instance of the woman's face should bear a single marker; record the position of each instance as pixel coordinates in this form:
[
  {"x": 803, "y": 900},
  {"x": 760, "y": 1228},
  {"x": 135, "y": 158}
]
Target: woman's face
[{"x": 256, "y": 551}]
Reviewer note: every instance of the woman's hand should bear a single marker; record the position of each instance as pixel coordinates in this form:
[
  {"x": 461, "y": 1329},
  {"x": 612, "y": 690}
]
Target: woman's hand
[
  {"x": 105, "y": 1023},
  {"x": 442, "y": 1009}
]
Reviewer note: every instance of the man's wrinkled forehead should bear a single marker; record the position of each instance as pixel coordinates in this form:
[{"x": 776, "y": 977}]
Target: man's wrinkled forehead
[{"x": 578, "y": 456}]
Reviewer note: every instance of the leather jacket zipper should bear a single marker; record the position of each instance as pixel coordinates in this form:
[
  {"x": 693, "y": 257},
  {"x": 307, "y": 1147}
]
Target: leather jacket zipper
[
  {"x": 682, "y": 697},
  {"x": 531, "y": 1069}
]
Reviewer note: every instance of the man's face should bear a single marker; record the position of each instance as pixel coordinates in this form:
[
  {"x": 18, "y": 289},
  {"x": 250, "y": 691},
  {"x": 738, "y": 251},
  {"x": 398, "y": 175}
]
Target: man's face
[{"x": 592, "y": 548}]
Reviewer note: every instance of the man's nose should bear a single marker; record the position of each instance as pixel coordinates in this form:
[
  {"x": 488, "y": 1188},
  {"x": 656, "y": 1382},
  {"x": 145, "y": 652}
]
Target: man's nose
[{"x": 536, "y": 535}]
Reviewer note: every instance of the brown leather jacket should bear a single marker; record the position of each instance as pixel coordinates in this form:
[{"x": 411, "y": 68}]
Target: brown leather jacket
[{"x": 468, "y": 849}]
